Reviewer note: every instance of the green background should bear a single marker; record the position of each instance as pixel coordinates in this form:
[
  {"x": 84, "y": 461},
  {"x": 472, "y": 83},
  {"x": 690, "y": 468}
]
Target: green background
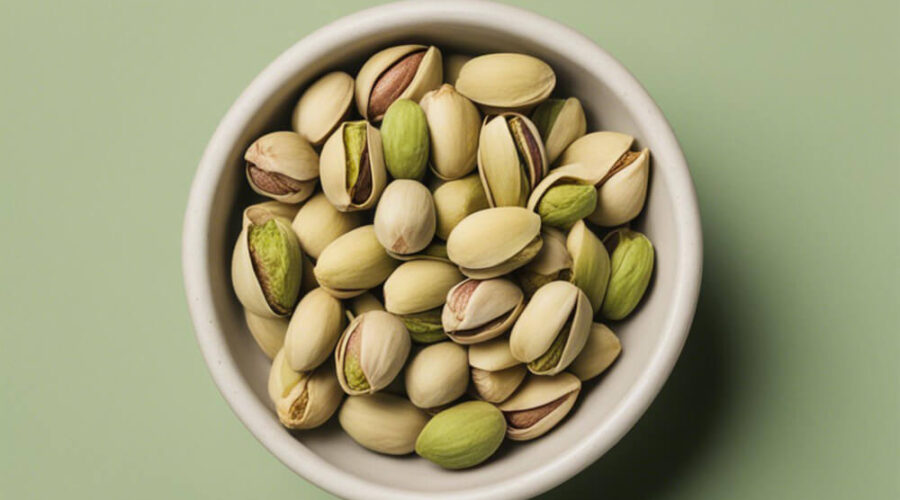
[{"x": 788, "y": 114}]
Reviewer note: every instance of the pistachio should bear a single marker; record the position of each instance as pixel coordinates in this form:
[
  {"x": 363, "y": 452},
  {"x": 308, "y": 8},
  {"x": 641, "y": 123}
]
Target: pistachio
[
  {"x": 452, "y": 65},
  {"x": 462, "y": 436},
  {"x": 552, "y": 328},
  {"x": 511, "y": 159},
  {"x": 560, "y": 122},
  {"x": 322, "y": 107},
  {"x": 404, "y": 71},
  {"x": 540, "y": 404},
  {"x": 455, "y": 200},
  {"x": 631, "y": 262},
  {"x": 495, "y": 241},
  {"x": 267, "y": 332},
  {"x": 425, "y": 327},
  {"x": 303, "y": 400},
  {"x": 480, "y": 310},
  {"x": 437, "y": 375},
  {"x": 371, "y": 352},
  {"x": 352, "y": 167},
  {"x": 419, "y": 285},
  {"x": 493, "y": 355},
  {"x": 552, "y": 263},
  {"x": 506, "y": 81},
  {"x": 318, "y": 223},
  {"x": 282, "y": 166},
  {"x": 454, "y": 123},
  {"x": 353, "y": 263},
  {"x": 590, "y": 263},
  {"x": 435, "y": 250},
  {"x": 404, "y": 137},
  {"x": 363, "y": 303},
  {"x": 404, "y": 219},
  {"x": 497, "y": 386},
  {"x": 563, "y": 204},
  {"x": 314, "y": 330},
  {"x": 381, "y": 422},
  {"x": 598, "y": 151},
  {"x": 622, "y": 193},
  {"x": 601, "y": 349}
]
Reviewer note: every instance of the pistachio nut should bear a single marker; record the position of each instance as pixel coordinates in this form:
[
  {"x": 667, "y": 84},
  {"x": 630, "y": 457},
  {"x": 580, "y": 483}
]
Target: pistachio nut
[
  {"x": 552, "y": 263},
  {"x": 454, "y": 123},
  {"x": 371, "y": 352},
  {"x": 540, "y": 404},
  {"x": 267, "y": 332},
  {"x": 435, "y": 250},
  {"x": 381, "y": 422},
  {"x": 303, "y": 400},
  {"x": 631, "y": 262},
  {"x": 560, "y": 122},
  {"x": 437, "y": 375},
  {"x": 598, "y": 151},
  {"x": 452, "y": 64},
  {"x": 495, "y": 241},
  {"x": 404, "y": 218},
  {"x": 266, "y": 266},
  {"x": 404, "y": 138},
  {"x": 455, "y": 200},
  {"x": 552, "y": 328},
  {"x": 353, "y": 263},
  {"x": 274, "y": 208},
  {"x": 363, "y": 303},
  {"x": 493, "y": 355},
  {"x": 601, "y": 349},
  {"x": 318, "y": 223},
  {"x": 480, "y": 310},
  {"x": 565, "y": 196},
  {"x": 590, "y": 263},
  {"x": 314, "y": 330},
  {"x": 511, "y": 159},
  {"x": 463, "y": 435},
  {"x": 282, "y": 166},
  {"x": 322, "y": 107},
  {"x": 622, "y": 193},
  {"x": 416, "y": 292},
  {"x": 403, "y": 71},
  {"x": 425, "y": 327},
  {"x": 497, "y": 386},
  {"x": 352, "y": 167},
  {"x": 506, "y": 81}
]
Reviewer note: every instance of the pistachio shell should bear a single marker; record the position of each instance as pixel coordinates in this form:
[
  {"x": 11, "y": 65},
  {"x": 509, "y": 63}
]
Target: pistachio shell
[
  {"x": 353, "y": 263},
  {"x": 425, "y": 327},
  {"x": 590, "y": 263},
  {"x": 455, "y": 200},
  {"x": 552, "y": 263},
  {"x": 560, "y": 122},
  {"x": 491, "y": 237},
  {"x": 363, "y": 303},
  {"x": 463, "y": 435},
  {"x": 267, "y": 332},
  {"x": 303, "y": 400},
  {"x": 631, "y": 263},
  {"x": 480, "y": 310},
  {"x": 282, "y": 166},
  {"x": 601, "y": 349},
  {"x": 621, "y": 197},
  {"x": 381, "y": 422},
  {"x": 493, "y": 355},
  {"x": 352, "y": 167},
  {"x": 322, "y": 106},
  {"x": 453, "y": 122},
  {"x": 404, "y": 219},
  {"x": 507, "y": 81},
  {"x": 437, "y": 375},
  {"x": 314, "y": 330},
  {"x": 272, "y": 208},
  {"x": 497, "y": 386},
  {"x": 453, "y": 63},
  {"x": 511, "y": 159},
  {"x": 371, "y": 352},
  {"x": 598, "y": 151},
  {"x": 404, "y": 139},
  {"x": 419, "y": 285},
  {"x": 540, "y": 404},
  {"x": 281, "y": 378},
  {"x": 403, "y": 71},
  {"x": 318, "y": 223},
  {"x": 435, "y": 250}
]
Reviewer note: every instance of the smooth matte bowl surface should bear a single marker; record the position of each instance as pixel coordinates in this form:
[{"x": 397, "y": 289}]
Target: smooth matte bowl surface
[{"x": 652, "y": 337}]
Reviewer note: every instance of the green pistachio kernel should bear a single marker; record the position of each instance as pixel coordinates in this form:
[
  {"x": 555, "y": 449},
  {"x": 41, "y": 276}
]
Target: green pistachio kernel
[
  {"x": 564, "y": 204},
  {"x": 425, "y": 327},
  {"x": 277, "y": 264},
  {"x": 550, "y": 358}
]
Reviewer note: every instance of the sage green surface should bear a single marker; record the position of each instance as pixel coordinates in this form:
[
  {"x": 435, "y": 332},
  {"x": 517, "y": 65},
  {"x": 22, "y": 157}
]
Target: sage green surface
[{"x": 788, "y": 114}]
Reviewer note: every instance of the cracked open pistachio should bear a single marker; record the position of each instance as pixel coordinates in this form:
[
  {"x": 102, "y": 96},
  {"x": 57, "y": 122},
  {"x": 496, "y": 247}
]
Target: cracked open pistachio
[
  {"x": 495, "y": 373},
  {"x": 454, "y": 123},
  {"x": 314, "y": 330},
  {"x": 403, "y": 71},
  {"x": 404, "y": 138},
  {"x": 590, "y": 263},
  {"x": 455, "y": 200},
  {"x": 552, "y": 263},
  {"x": 381, "y": 422},
  {"x": 565, "y": 196},
  {"x": 318, "y": 223},
  {"x": 540, "y": 404},
  {"x": 631, "y": 262},
  {"x": 353, "y": 263},
  {"x": 552, "y": 328},
  {"x": 463, "y": 435},
  {"x": 274, "y": 208},
  {"x": 303, "y": 400},
  {"x": 495, "y": 241},
  {"x": 282, "y": 166},
  {"x": 371, "y": 352},
  {"x": 506, "y": 81},
  {"x": 480, "y": 310},
  {"x": 267, "y": 332},
  {"x": 601, "y": 349},
  {"x": 404, "y": 218},
  {"x": 511, "y": 159},
  {"x": 560, "y": 122},
  {"x": 437, "y": 375},
  {"x": 416, "y": 292},
  {"x": 352, "y": 167},
  {"x": 322, "y": 107}
]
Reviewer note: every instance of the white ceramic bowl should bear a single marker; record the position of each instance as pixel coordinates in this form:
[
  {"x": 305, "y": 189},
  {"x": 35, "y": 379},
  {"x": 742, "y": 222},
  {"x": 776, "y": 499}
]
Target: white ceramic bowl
[{"x": 652, "y": 338}]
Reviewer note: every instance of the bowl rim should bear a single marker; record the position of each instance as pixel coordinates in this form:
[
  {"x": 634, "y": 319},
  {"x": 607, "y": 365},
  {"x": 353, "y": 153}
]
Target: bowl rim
[{"x": 195, "y": 264}]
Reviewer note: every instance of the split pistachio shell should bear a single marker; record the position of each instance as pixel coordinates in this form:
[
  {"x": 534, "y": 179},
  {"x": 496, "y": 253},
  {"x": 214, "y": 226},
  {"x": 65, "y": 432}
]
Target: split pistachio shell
[
  {"x": 560, "y": 122},
  {"x": 404, "y": 219},
  {"x": 621, "y": 196},
  {"x": 419, "y": 285},
  {"x": 318, "y": 223},
  {"x": 480, "y": 310},
  {"x": 631, "y": 262},
  {"x": 540, "y": 404},
  {"x": 463, "y": 435},
  {"x": 598, "y": 151},
  {"x": 437, "y": 375},
  {"x": 353, "y": 263},
  {"x": 403, "y": 71},
  {"x": 497, "y": 386},
  {"x": 322, "y": 107},
  {"x": 590, "y": 263},
  {"x": 506, "y": 81},
  {"x": 453, "y": 122},
  {"x": 404, "y": 138},
  {"x": 601, "y": 349},
  {"x": 267, "y": 332},
  {"x": 435, "y": 250},
  {"x": 282, "y": 166},
  {"x": 552, "y": 329},
  {"x": 552, "y": 263},
  {"x": 495, "y": 241},
  {"x": 383, "y": 423},
  {"x": 493, "y": 355},
  {"x": 453, "y": 63},
  {"x": 303, "y": 400},
  {"x": 314, "y": 330},
  {"x": 511, "y": 159},
  {"x": 371, "y": 352},
  {"x": 455, "y": 200},
  {"x": 352, "y": 167},
  {"x": 425, "y": 327}
]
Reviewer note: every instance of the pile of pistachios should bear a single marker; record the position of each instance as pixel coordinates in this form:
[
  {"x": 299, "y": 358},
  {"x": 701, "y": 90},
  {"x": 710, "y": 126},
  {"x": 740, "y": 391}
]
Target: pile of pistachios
[{"x": 445, "y": 288}]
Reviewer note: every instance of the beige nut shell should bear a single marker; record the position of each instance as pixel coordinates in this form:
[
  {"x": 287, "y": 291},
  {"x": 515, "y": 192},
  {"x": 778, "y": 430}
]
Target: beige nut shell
[
  {"x": 333, "y": 169},
  {"x": 322, "y": 106}
]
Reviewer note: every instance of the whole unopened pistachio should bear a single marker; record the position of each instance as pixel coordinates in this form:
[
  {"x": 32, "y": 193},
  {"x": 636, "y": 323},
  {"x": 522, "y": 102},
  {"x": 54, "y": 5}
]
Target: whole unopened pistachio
[
  {"x": 552, "y": 263},
  {"x": 318, "y": 223},
  {"x": 416, "y": 292},
  {"x": 631, "y": 261},
  {"x": 463, "y": 435},
  {"x": 437, "y": 375},
  {"x": 495, "y": 373},
  {"x": 403, "y": 71},
  {"x": 480, "y": 310},
  {"x": 322, "y": 106},
  {"x": 381, "y": 422},
  {"x": 282, "y": 166},
  {"x": 506, "y": 81},
  {"x": 495, "y": 241},
  {"x": 314, "y": 330},
  {"x": 404, "y": 219},
  {"x": 454, "y": 123},
  {"x": 540, "y": 404},
  {"x": 560, "y": 122},
  {"x": 511, "y": 159},
  {"x": 353, "y": 263},
  {"x": 590, "y": 263},
  {"x": 404, "y": 137},
  {"x": 455, "y": 200},
  {"x": 601, "y": 349},
  {"x": 352, "y": 167},
  {"x": 303, "y": 400},
  {"x": 371, "y": 352},
  {"x": 267, "y": 332}
]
